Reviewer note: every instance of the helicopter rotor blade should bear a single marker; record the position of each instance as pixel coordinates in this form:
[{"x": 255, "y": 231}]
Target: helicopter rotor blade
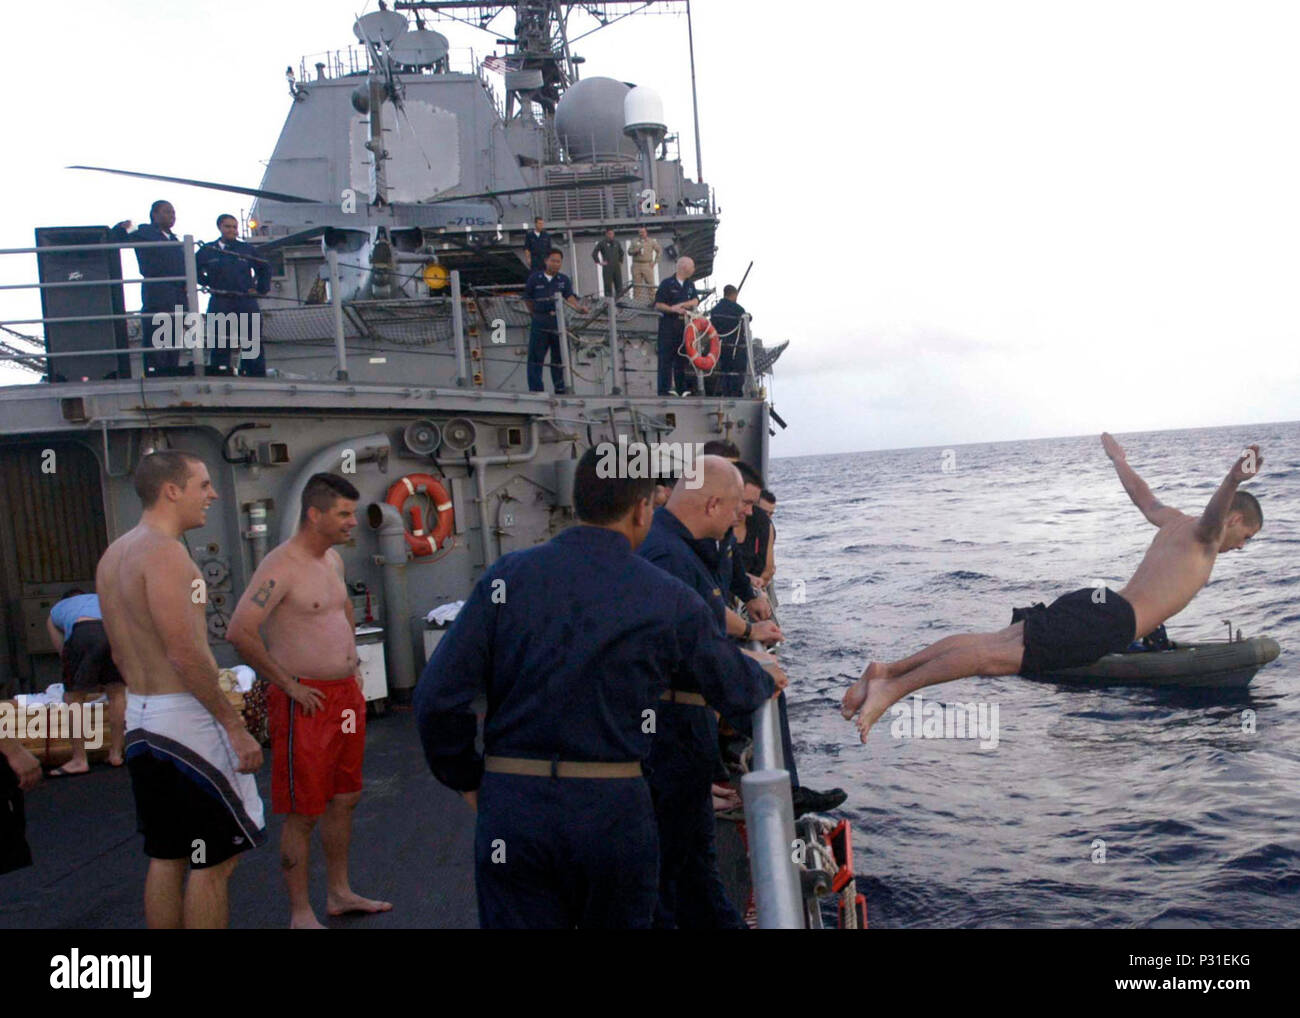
[
  {"x": 256, "y": 192},
  {"x": 572, "y": 185}
]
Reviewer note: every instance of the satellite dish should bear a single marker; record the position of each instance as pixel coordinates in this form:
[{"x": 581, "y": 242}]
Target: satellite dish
[
  {"x": 422, "y": 437},
  {"x": 459, "y": 434},
  {"x": 380, "y": 27},
  {"x": 421, "y": 48}
]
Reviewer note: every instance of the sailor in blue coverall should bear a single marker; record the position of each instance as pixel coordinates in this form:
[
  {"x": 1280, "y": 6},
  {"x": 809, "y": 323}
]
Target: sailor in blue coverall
[
  {"x": 157, "y": 297},
  {"x": 543, "y": 286},
  {"x": 684, "y": 755},
  {"x": 573, "y": 642},
  {"x": 232, "y": 271}
]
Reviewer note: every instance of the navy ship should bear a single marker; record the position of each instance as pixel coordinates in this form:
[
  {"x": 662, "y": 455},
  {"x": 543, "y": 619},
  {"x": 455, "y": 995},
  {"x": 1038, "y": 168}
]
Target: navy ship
[{"x": 392, "y": 223}]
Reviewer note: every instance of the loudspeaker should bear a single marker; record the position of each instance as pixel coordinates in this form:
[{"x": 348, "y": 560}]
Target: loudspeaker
[
  {"x": 422, "y": 437},
  {"x": 459, "y": 434},
  {"x": 81, "y": 301}
]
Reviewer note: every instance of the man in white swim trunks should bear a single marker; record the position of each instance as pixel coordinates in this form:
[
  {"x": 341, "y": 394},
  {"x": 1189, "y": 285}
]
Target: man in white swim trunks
[{"x": 190, "y": 757}]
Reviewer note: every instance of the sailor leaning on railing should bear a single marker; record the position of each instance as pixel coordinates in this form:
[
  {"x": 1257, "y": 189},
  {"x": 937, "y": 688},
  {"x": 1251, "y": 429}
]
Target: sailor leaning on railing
[{"x": 573, "y": 642}]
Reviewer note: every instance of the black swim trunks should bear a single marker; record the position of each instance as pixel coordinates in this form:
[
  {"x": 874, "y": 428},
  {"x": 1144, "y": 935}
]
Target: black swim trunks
[
  {"x": 179, "y": 820},
  {"x": 87, "y": 659},
  {"x": 1074, "y": 630},
  {"x": 14, "y": 852}
]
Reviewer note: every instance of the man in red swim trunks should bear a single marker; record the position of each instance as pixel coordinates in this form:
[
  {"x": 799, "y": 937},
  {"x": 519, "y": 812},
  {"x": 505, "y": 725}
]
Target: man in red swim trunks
[
  {"x": 1087, "y": 624},
  {"x": 317, "y": 711}
]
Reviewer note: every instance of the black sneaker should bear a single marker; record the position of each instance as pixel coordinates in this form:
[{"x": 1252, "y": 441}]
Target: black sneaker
[{"x": 808, "y": 800}]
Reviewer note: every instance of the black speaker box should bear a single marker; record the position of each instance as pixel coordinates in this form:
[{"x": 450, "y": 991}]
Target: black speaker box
[{"x": 79, "y": 301}]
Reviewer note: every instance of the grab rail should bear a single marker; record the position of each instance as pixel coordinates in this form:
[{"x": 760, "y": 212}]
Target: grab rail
[{"x": 769, "y": 821}]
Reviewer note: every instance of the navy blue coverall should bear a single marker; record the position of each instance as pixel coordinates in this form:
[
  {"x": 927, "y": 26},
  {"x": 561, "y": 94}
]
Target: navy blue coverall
[
  {"x": 538, "y": 246},
  {"x": 673, "y": 366},
  {"x": 572, "y": 641},
  {"x": 156, "y": 298},
  {"x": 544, "y": 333},
  {"x": 684, "y": 754},
  {"x": 729, "y": 379},
  {"x": 733, "y": 578},
  {"x": 226, "y": 268}
]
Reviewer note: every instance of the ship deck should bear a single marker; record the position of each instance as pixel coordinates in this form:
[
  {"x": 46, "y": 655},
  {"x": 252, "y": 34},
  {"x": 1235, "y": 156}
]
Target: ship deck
[{"x": 412, "y": 844}]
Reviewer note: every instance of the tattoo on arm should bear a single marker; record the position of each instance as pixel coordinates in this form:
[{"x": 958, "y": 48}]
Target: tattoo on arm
[{"x": 264, "y": 593}]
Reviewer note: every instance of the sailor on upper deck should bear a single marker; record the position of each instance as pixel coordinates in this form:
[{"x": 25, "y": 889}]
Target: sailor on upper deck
[{"x": 234, "y": 275}]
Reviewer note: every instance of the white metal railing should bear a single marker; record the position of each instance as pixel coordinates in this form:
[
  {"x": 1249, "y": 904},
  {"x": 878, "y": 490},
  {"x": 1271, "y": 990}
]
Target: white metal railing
[
  {"x": 190, "y": 279},
  {"x": 769, "y": 821}
]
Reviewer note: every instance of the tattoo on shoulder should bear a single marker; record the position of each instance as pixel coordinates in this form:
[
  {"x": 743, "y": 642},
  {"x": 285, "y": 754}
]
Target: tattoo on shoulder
[{"x": 264, "y": 593}]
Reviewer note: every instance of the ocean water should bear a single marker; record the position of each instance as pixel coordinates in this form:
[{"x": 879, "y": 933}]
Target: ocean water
[{"x": 1122, "y": 807}]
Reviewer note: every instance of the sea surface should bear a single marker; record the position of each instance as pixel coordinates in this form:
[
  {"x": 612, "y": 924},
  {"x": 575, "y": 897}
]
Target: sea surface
[{"x": 1123, "y": 807}]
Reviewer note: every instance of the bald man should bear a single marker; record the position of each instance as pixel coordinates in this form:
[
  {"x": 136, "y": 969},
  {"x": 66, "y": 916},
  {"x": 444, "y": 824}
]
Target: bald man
[
  {"x": 675, "y": 299},
  {"x": 683, "y": 759}
]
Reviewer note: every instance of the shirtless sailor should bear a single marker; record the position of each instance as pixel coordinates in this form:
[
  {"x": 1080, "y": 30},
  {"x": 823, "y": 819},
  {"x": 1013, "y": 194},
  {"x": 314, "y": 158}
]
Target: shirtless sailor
[
  {"x": 190, "y": 757},
  {"x": 1087, "y": 624},
  {"x": 317, "y": 711}
]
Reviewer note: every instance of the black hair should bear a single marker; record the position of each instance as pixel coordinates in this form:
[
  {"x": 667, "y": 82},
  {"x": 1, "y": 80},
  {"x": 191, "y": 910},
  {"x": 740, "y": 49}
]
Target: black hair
[
  {"x": 718, "y": 447},
  {"x": 323, "y": 490},
  {"x": 604, "y": 500},
  {"x": 767, "y": 496},
  {"x": 71, "y": 592},
  {"x": 224, "y": 216},
  {"x": 554, "y": 250},
  {"x": 156, "y": 206},
  {"x": 729, "y": 291},
  {"x": 749, "y": 475},
  {"x": 167, "y": 466},
  {"x": 1248, "y": 505}
]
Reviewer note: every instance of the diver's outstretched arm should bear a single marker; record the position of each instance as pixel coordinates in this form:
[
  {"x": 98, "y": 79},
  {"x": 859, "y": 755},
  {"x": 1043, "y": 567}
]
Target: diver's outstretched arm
[{"x": 1152, "y": 508}]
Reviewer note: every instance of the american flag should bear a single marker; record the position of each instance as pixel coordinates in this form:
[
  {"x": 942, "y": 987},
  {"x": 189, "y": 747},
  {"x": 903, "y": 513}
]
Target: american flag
[{"x": 498, "y": 64}]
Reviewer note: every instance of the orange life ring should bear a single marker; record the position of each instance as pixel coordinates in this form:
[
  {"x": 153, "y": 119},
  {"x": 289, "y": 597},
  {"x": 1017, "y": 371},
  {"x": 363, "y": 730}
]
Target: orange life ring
[
  {"x": 697, "y": 329},
  {"x": 423, "y": 542}
]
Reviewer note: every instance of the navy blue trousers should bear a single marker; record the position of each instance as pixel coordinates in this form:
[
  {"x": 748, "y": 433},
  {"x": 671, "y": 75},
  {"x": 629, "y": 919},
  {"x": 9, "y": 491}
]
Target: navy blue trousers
[
  {"x": 682, "y": 760},
  {"x": 560, "y": 853},
  {"x": 219, "y": 362},
  {"x": 544, "y": 338},
  {"x": 673, "y": 366}
]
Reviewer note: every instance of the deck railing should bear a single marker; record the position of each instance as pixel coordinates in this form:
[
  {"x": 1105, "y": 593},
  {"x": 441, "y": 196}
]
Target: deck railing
[{"x": 769, "y": 821}]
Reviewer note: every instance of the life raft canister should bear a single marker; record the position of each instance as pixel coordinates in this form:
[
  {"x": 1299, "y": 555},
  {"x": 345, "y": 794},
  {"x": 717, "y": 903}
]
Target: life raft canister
[
  {"x": 423, "y": 542},
  {"x": 698, "y": 329}
]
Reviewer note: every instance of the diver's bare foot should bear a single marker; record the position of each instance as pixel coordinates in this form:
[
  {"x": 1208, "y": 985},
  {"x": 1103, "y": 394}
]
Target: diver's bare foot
[
  {"x": 857, "y": 693},
  {"x": 879, "y": 697},
  {"x": 114, "y": 761},
  {"x": 306, "y": 921},
  {"x": 342, "y": 904}
]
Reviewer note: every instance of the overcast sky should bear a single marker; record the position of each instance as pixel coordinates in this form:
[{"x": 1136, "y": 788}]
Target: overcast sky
[{"x": 975, "y": 220}]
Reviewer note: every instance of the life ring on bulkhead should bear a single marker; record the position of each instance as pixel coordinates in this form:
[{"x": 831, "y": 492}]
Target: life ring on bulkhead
[
  {"x": 423, "y": 542},
  {"x": 698, "y": 329}
]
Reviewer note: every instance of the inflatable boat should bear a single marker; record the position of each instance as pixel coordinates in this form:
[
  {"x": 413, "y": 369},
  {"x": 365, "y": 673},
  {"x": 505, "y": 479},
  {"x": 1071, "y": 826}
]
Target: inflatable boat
[{"x": 1221, "y": 663}]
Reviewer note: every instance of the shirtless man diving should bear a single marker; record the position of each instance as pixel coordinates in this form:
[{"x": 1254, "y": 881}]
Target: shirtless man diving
[
  {"x": 190, "y": 757},
  {"x": 1081, "y": 627},
  {"x": 317, "y": 710}
]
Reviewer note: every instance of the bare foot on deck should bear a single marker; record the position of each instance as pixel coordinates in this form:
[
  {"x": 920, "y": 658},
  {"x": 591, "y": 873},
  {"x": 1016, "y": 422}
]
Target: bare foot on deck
[
  {"x": 306, "y": 921},
  {"x": 344, "y": 903},
  {"x": 114, "y": 761},
  {"x": 857, "y": 693}
]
